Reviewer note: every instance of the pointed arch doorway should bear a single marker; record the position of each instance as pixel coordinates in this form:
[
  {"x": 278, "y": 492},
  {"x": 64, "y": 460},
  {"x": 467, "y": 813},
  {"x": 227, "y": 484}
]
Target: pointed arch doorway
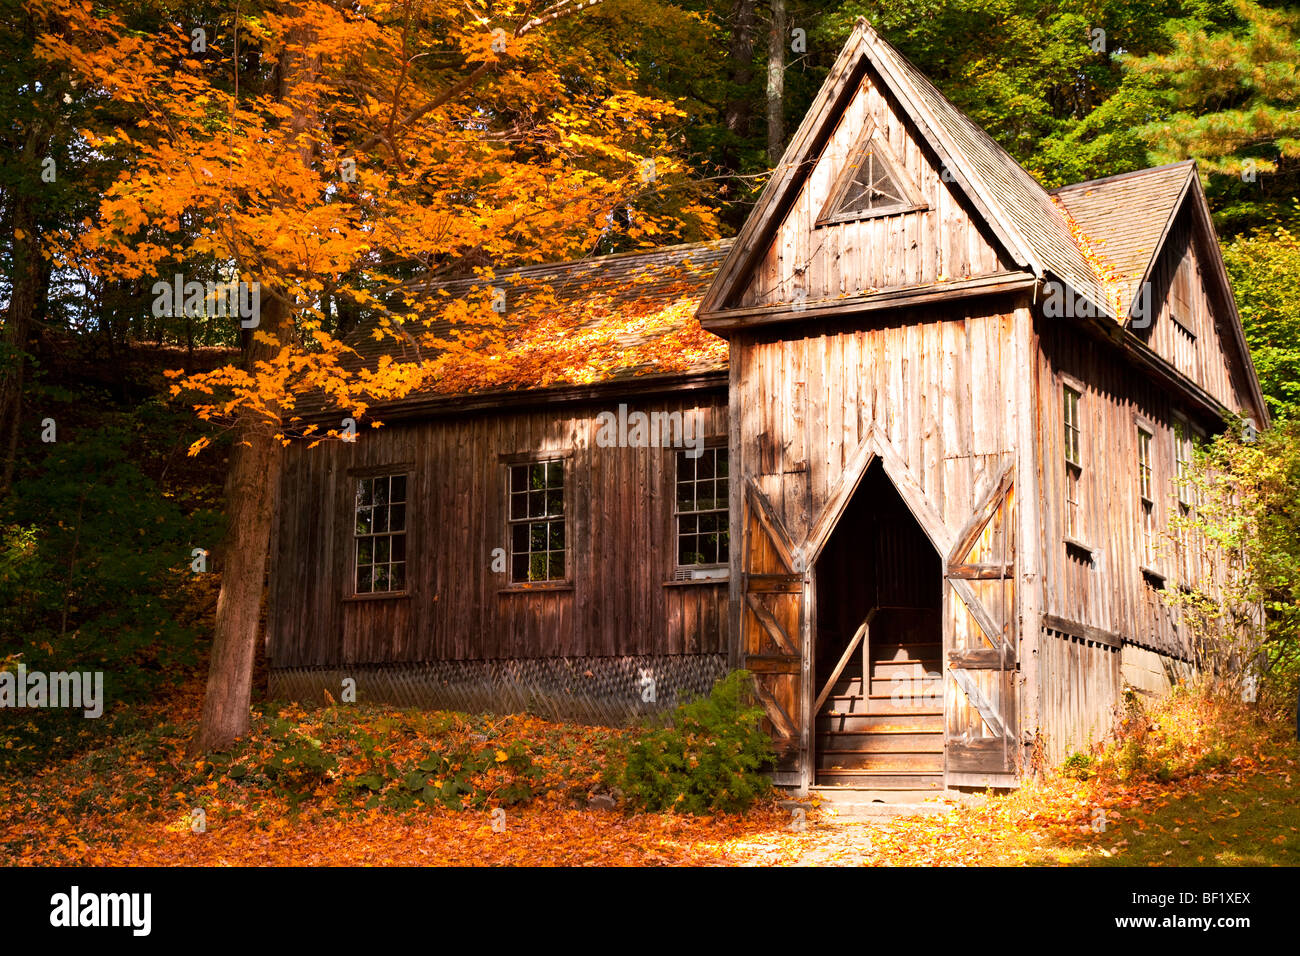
[{"x": 878, "y": 648}]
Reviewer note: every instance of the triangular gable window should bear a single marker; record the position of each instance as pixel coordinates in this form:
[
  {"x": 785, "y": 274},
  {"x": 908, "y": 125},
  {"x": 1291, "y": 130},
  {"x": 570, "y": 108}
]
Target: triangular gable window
[{"x": 869, "y": 185}]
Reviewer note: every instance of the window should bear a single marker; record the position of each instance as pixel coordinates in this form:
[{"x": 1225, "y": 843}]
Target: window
[
  {"x": 1073, "y": 463},
  {"x": 869, "y": 184},
  {"x": 1146, "y": 503},
  {"x": 537, "y": 522},
  {"x": 1183, "y": 464},
  {"x": 1184, "y": 347},
  {"x": 1185, "y": 491},
  {"x": 701, "y": 509},
  {"x": 379, "y": 532}
]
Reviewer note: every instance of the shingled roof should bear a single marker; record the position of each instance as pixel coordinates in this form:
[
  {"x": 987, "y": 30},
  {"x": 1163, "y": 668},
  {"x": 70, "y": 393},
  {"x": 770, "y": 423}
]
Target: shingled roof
[
  {"x": 1035, "y": 232},
  {"x": 1023, "y": 205},
  {"x": 1126, "y": 216},
  {"x": 639, "y": 283},
  {"x": 1100, "y": 237}
]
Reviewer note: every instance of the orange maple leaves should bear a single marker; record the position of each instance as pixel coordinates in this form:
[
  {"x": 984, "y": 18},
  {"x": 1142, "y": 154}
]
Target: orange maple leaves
[{"x": 387, "y": 141}]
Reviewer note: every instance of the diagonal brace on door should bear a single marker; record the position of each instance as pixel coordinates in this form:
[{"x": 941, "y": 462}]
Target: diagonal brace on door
[{"x": 980, "y": 702}]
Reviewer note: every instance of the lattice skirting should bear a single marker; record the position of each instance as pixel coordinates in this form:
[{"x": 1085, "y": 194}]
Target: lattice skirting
[{"x": 596, "y": 690}]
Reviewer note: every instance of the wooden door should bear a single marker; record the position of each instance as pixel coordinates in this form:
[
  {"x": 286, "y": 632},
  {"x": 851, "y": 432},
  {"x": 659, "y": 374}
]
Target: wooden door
[
  {"x": 980, "y": 647},
  {"x": 772, "y": 625}
]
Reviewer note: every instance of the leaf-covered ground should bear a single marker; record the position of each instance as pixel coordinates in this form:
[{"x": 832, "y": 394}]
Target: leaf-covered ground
[{"x": 1196, "y": 784}]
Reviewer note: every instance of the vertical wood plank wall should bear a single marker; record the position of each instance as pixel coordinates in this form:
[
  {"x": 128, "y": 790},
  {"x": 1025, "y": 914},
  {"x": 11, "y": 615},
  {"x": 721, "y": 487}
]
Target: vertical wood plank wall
[
  {"x": 1111, "y": 617},
  {"x": 938, "y": 385},
  {"x": 1106, "y": 590},
  {"x": 1179, "y": 288},
  {"x": 620, "y": 531},
  {"x": 941, "y": 387},
  {"x": 942, "y": 242}
]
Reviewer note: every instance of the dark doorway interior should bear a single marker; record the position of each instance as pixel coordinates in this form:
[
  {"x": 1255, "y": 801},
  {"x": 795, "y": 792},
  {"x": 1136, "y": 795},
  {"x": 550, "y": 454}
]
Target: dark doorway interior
[{"x": 881, "y": 724}]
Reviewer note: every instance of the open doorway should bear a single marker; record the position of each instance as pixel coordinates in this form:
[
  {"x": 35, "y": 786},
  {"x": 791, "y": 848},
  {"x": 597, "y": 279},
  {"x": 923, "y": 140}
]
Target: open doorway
[{"x": 879, "y": 648}]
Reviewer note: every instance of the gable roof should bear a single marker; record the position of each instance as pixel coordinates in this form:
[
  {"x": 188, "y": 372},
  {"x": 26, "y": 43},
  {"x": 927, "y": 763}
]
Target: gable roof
[
  {"x": 1128, "y": 216},
  {"x": 1101, "y": 237},
  {"x": 1128, "y": 219},
  {"x": 1031, "y": 227}
]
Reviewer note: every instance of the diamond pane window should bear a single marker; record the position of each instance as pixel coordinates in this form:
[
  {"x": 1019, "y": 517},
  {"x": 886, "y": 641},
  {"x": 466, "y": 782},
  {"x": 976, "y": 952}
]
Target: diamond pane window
[{"x": 870, "y": 183}]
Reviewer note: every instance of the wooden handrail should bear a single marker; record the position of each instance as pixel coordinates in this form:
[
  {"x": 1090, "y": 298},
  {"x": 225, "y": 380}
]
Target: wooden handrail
[{"x": 862, "y": 631}]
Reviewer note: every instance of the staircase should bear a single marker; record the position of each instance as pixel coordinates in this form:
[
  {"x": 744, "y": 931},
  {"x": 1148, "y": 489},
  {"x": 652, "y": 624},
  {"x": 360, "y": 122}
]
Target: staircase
[{"x": 887, "y": 741}]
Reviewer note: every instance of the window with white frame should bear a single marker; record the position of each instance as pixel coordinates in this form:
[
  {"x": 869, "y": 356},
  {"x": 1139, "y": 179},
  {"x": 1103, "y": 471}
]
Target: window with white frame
[
  {"x": 1185, "y": 492},
  {"x": 700, "y": 509},
  {"x": 1183, "y": 464},
  {"x": 1073, "y": 441},
  {"x": 538, "y": 530},
  {"x": 1146, "y": 500},
  {"x": 379, "y": 534}
]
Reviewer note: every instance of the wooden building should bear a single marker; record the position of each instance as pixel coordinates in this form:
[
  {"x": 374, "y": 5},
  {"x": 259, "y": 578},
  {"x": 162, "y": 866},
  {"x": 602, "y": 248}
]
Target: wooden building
[{"x": 927, "y": 492}]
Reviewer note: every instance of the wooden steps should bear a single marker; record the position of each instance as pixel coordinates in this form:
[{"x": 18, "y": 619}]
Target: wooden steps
[
  {"x": 879, "y": 780},
  {"x": 888, "y": 739}
]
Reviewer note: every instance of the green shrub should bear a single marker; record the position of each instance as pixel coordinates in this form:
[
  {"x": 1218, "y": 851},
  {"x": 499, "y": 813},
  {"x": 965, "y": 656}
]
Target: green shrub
[
  {"x": 1078, "y": 766},
  {"x": 708, "y": 760}
]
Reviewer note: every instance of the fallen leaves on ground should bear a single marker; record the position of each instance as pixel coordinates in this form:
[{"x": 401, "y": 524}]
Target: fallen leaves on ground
[{"x": 132, "y": 803}]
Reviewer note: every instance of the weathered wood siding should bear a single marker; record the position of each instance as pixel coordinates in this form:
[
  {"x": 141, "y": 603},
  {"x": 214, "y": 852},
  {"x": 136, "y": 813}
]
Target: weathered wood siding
[
  {"x": 1081, "y": 687},
  {"x": 1099, "y": 605},
  {"x": 620, "y": 536},
  {"x": 942, "y": 242},
  {"x": 938, "y": 384},
  {"x": 939, "y": 392},
  {"x": 1104, "y": 587},
  {"x": 1187, "y": 329}
]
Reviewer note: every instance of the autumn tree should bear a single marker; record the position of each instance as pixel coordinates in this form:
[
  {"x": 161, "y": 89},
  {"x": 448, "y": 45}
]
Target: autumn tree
[{"x": 324, "y": 153}]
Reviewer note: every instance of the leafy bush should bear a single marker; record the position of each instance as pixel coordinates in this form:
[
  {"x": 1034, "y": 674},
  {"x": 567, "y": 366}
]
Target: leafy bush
[
  {"x": 1191, "y": 732},
  {"x": 708, "y": 760},
  {"x": 1078, "y": 766},
  {"x": 1247, "y": 495}
]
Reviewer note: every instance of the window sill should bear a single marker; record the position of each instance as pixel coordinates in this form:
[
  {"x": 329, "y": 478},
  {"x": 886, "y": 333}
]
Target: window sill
[
  {"x": 1078, "y": 547},
  {"x": 1152, "y": 576},
  {"x": 869, "y": 214},
  {"x": 536, "y": 586},
  {"x": 692, "y": 582},
  {"x": 381, "y": 596}
]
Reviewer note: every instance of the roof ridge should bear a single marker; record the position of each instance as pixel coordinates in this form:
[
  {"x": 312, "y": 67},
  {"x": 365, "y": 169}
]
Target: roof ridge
[
  {"x": 1130, "y": 174},
  {"x": 711, "y": 244},
  {"x": 1048, "y": 250}
]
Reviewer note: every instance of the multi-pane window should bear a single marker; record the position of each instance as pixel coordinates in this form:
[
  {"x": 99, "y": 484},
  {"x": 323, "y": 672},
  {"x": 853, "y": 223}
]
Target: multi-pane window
[
  {"x": 537, "y": 523},
  {"x": 379, "y": 534},
  {"x": 1186, "y": 493},
  {"x": 1073, "y": 462},
  {"x": 1183, "y": 464},
  {"x": 701, "y": 508},
  {"x": 1184, "y": 347},
  {"x": 1146, "y": 501}
]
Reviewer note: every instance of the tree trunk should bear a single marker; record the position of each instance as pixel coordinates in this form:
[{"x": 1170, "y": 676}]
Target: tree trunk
[
  {"x": 17, "y": 328},
  {"x": 737, "y": 114},
  {"x": 256, "y": 463},
  {"x": 776, "y": 40}
]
